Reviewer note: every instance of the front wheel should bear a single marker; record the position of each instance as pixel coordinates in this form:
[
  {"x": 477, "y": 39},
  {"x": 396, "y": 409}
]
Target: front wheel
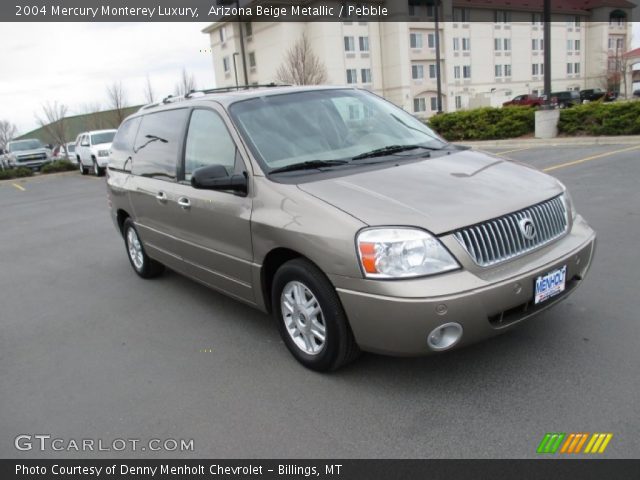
[
  {"x": 143, "y": 265},
  {"x": 310, "y": 317},
  {"x": 97, "y": 169}
]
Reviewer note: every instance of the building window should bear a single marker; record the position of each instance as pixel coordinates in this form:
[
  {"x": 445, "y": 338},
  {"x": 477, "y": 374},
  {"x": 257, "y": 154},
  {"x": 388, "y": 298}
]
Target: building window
[
  {"x": 456, "y": 44},
  {"x": 419, "y": 105},
  {"x": 507, "y": 70},
  {"x": 570, "y": 68},
  {"x": 349, "y": 44},
  {"x": 576, "y": 68},
  {"x": 225, "y": 64},
  {"x": 610, "y": 43},
  {"x": 461, "y": 15},
  {"x": 223, "y": 34},
  {"x": 507, "y": 44},
  {"x": 466, "y": 44},
  {"x": 466, "y": 71},
  {"x": 434, "y": 104},
  {"x": 576, "y": 45},
  {"x": 365, "y": 75},
  {"x": 542, "y": 69},
  {"x": 252, "y": 59},
  {"x": 458, "y": 102},
  {"x": 569, "y": 45},
  {"x": 432, "y": 71},
  {"x": 498, "y": 70},
  {"x": 534, "y": 44},
  {"x": 429, "y": 10},
  {"x": 352, "y": 75},
  {"x": 415, "y": 40},
  {"x": 619, "y": 44},
  {"x": 534, "y": 69},
  {"x": 502, "y": 16},
  {"x": 417, "y": 72},
  {"x": 456, "y": 72},
  {"x": 431, "y": 40},
  {"x": 248, "y": 29},
  {"x": 573, "y": 21},
  {"x": 536, "y": 19},
  {"x": 364, "y": 44},
  {"x": 497, "y": 44}
]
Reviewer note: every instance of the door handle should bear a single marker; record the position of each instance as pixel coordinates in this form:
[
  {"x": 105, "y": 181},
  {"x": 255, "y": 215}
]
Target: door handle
[
  {"x": 184, "y": 202},
  {"x": 161, "y": 196}
]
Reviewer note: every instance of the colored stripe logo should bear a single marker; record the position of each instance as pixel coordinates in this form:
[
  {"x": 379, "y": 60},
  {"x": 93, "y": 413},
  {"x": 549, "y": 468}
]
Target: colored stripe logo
[{"x": 556, "y": 442}]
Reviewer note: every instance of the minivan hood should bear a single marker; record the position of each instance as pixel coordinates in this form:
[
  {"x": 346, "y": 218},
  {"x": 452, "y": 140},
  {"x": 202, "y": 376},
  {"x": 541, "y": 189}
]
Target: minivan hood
[{"x": 439, "y": 194}]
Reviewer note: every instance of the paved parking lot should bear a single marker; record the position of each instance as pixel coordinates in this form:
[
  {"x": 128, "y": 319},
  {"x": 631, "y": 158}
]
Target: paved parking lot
[{"x": 89, "y": 350}]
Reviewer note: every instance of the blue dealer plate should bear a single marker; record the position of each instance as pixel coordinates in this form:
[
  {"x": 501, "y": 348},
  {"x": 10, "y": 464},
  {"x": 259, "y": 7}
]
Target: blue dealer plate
[{"x": 550, "y": 284}]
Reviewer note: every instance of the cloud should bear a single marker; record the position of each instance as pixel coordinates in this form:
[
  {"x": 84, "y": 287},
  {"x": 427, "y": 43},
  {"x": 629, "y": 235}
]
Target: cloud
[{"x": 72, "y": 63}]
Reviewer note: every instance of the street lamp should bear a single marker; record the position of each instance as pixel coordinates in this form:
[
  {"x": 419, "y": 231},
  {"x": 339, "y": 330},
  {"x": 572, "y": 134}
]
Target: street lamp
[{"x": 235, "y": 69}]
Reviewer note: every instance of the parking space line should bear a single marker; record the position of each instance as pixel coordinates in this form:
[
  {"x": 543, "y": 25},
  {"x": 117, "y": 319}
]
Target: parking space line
[
  {"x": 19, "y": 187},
  {"x": 513, "y": 151},
  {"x": 588, "y": 159}
]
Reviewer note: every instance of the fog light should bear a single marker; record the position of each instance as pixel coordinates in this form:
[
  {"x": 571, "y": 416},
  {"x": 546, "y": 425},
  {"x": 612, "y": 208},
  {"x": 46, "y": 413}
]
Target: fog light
[{"x": 445, "y": 336}]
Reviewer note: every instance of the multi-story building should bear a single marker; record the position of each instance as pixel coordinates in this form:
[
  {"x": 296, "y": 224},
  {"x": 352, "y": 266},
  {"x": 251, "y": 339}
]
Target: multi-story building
[{"x": 488, "y": 54}]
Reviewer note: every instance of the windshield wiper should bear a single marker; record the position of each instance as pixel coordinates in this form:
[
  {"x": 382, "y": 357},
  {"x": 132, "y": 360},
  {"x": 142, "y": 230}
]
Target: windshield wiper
[
  {"x": 309, "y": 165},
  {"x": 388, "y": 150}
]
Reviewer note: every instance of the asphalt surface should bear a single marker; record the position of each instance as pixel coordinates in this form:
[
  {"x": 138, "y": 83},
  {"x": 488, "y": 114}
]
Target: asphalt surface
[{"x": 90, "y": 351}]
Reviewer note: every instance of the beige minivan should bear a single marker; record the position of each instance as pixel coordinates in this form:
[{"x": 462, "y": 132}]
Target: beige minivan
[{"x": 347, "y": 218}]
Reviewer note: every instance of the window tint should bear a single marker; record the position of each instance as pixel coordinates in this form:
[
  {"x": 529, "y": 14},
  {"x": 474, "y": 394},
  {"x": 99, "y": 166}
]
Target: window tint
[
  {"x": 208, "y": 143},
  {"x": 126, "y": 135},
  {"x": 157, "y": 144}
]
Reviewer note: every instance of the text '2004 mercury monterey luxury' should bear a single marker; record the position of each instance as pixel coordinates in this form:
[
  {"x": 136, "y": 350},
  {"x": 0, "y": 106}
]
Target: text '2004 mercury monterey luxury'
[{"x": 346, "y": 217}]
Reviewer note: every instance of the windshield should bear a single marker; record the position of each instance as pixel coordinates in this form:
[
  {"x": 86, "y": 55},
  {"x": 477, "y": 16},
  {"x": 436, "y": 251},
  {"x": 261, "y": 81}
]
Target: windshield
[
  {"x": 24, "y": 145},
  {"x": 106, "y": 137},
  {"x": 315, "y": 125}
]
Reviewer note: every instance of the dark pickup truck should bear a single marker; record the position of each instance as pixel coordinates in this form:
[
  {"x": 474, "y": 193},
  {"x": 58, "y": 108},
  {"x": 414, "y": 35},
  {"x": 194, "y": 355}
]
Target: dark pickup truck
[
  {"x": 594, "y": 94},
  {"x": 524, "y": 101}
]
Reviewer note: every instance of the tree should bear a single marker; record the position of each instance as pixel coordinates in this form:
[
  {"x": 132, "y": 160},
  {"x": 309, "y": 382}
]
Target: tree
[
  {"x": 117, "y": 99},
  {"x": 301, "y": 65},
  {"x": 186, "y": 83},
  {"x": 8, "y": 131},
  {"x": 53, "y": 122},
  {"x": 149, "y": 94}
]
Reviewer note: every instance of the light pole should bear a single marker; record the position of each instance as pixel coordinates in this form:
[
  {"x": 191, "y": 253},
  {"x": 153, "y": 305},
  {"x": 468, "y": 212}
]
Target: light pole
[
  {"x": 235, "y": 69},
  {"x": 546, "y": 18},
  {"x": 437, "y": 39}
]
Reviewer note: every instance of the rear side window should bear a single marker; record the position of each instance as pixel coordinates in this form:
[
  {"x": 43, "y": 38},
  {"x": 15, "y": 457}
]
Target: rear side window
[
  {"x": 157, "y": 144},
  {"x": 126, "y": 135},
  {"x": 208, "y": 143}
]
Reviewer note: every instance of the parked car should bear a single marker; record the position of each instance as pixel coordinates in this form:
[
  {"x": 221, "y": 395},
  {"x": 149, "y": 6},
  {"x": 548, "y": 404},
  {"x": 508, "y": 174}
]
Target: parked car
[
  {"x": 30, "y": 153},
  {"x": 92, "y": 150},
  {"x": 350, "y": 220},
  {"x": 594, "y": 94},
  {"x": 525, "y": 101},
  {"x": 565, "y": 99},
  {"x": 636, "y": 93}
]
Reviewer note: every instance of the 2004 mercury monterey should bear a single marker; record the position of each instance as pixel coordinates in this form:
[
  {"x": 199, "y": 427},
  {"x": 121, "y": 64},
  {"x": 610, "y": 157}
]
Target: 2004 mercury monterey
[{"x": 346, "y": 217}]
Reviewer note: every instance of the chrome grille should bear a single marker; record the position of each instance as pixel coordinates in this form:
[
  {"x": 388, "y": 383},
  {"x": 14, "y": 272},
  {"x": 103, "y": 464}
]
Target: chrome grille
[{"x": 502, "y": 238}]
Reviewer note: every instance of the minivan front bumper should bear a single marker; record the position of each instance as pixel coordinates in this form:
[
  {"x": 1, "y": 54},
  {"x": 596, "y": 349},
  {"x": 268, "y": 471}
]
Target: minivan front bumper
[{"x": 396, "y": 317}]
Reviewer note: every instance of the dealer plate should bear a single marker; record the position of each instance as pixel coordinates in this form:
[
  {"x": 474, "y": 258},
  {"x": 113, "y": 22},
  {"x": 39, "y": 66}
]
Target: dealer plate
[{"x": 550, "y": 284}]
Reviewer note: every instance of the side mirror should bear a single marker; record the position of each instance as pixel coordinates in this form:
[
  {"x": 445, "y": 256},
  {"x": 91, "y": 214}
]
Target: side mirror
[{"x": 215, "y": 177}]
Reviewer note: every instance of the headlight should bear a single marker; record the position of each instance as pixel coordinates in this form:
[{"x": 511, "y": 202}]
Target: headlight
[
  {"x": 103, "y": 153},
  {"x": 401, "y": 253},
  {"x": 568, "y": 203}
]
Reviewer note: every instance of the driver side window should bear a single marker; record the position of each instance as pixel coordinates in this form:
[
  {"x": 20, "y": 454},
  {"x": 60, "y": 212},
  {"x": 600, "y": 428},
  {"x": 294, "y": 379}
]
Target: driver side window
[{"x": 208, "y": 143}]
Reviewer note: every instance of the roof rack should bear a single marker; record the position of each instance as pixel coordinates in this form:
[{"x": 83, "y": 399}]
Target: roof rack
[{"x": 191, "y": 93}]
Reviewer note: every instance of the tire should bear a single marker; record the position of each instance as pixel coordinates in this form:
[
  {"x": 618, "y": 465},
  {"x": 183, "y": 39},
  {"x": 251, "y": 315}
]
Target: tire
[
  {"x": 143, "y": 265},
  {"x": 98, "y": 171},
  {"x": 83, "y": 170},
  {"x": 338, "y": 347}
]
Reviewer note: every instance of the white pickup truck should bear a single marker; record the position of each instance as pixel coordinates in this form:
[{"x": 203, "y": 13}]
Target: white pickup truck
[{"x": 92, "y": 150}]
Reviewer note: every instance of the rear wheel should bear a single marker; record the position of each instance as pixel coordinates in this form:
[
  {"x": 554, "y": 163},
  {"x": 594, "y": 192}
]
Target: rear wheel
[
  {"x": 310, "y": 317},
  {"x": 140, "y": 261},
  {"x": 83, "y": 170}
]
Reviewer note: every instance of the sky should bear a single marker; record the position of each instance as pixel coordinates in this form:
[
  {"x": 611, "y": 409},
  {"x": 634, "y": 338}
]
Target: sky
[{"x": 72, "y": 63}]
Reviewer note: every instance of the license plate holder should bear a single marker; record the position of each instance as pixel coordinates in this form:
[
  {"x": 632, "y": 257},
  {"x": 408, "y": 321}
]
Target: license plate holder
[{"x": 550, "y": 284}]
